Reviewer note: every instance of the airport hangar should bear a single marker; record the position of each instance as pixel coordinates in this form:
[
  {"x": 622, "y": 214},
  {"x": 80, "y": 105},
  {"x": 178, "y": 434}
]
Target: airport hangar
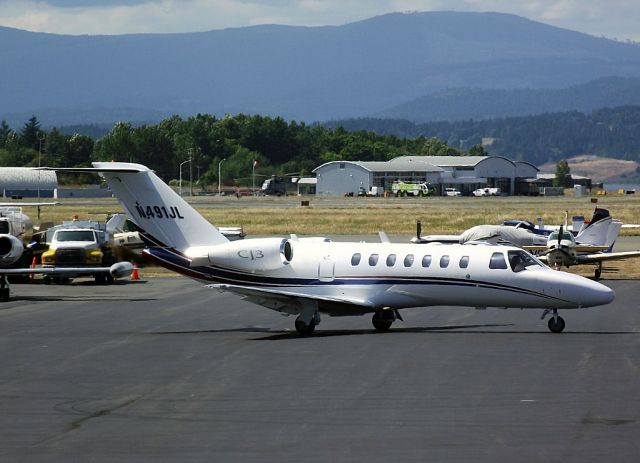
[
  {"x": 465, "y": 173},
  {"x": 18, "y": 182}
]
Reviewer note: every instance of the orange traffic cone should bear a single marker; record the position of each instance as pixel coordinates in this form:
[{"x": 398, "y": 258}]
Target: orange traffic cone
[
  {"x": 34, "y": 262},
  {"x": 135, "y": 275}
]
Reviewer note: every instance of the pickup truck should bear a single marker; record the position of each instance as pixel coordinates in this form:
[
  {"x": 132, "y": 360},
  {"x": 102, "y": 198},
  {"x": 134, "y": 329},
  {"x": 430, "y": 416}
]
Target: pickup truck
[{"x": 78, "y": 247}]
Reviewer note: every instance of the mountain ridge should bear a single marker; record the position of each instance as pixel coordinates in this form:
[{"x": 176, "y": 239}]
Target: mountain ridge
[{"x": 304, "y": 73}]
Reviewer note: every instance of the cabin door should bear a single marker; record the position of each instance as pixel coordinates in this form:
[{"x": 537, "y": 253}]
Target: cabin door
[{"x": 326, "y": 269}]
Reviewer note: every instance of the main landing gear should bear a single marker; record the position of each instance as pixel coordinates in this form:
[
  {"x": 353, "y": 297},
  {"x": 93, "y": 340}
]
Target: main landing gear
[
  {"x": 383, "y": 319},
  {"x": 598, "y": 271},
  {"x": 5, "y": 291},
  {"x": 308, "y": 319},
  {"x": 556, "y": 322}
]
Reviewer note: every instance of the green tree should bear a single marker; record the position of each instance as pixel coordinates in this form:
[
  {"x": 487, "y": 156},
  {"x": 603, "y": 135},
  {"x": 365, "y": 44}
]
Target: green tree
[
  {"x": 31, "y": 134},
  {"x": 563, "y": 174},
  {"x": 478, "y": 150}
]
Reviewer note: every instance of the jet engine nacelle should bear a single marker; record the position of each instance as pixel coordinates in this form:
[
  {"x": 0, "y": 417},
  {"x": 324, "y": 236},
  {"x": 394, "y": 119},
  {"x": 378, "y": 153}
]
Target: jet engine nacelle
[
  {"x": 121, "y": 270},
  {"x": 11, "y": 249},
  {"x": 252, "y": 255}
]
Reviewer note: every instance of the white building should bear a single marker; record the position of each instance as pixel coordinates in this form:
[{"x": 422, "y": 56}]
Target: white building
[
  {"x": 337, "y": 178},
  {"x": 27, "y": 182},
  {"x": 465, "y": 173}
]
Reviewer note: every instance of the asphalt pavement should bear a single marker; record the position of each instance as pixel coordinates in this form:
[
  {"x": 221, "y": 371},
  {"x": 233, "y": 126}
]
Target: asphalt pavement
[{"x": 167, "y": 370}]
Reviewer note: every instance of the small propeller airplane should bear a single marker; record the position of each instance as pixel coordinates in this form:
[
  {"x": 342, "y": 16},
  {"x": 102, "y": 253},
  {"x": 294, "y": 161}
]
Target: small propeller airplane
[
  {"x": 309, "y": 276},
  {"x": 563, "y": 251},
  {"x": 16, "y": 231}
]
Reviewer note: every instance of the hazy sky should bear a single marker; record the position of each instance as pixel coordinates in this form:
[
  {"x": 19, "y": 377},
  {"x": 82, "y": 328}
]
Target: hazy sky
[{"x": 618, "y": 19}]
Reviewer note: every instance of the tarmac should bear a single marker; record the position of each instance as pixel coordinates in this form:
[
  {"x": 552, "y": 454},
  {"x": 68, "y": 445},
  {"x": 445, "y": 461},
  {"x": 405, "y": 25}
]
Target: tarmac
[{"x": 167, "y": 370}]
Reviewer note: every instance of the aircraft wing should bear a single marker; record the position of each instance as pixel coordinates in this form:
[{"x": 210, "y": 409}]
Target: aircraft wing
[
  {"x": 603, "y": 256},
  {"x": 118, "y": 270},
  {"x": 291, "y": 302}
]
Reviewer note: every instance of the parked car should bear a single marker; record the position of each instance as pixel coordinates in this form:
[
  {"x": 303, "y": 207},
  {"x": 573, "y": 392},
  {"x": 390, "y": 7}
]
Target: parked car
[
  {"x": 486, "y": 192},
  {"x": 452, "y": 192}
]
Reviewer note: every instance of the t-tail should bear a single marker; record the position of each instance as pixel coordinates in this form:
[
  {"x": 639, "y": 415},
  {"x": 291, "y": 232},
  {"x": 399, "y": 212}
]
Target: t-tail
[{"x": 167, "y": 219}]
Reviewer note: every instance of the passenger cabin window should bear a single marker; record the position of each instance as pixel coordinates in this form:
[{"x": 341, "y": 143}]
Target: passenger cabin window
[
  {"x": 497, "y": 261},
  {"x": 426, "y": 261},
  {"x": 520, "y": 260},
  {"x": 464, "y": 262},
  {"x": 355, "y": 259},
  {"x": 408, "y": 260},
  {"x": 444, "y": 261},
  {"x": 391, "y": 260},
  {"x": 373, "y": 260}
]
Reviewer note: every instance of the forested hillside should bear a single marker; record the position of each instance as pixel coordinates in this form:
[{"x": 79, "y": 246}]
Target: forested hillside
[
  {"x": 478, "y": 103},
  {"x": 611, "y": 132}
]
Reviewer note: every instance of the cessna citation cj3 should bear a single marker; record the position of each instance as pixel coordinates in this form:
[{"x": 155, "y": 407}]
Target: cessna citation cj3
[{"x": 307, "y": 277}]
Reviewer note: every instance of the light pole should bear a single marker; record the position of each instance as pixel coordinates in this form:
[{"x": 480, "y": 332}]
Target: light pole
[
  {"x": 180, "y": 183},
  {"x": 220, "y": 178}
]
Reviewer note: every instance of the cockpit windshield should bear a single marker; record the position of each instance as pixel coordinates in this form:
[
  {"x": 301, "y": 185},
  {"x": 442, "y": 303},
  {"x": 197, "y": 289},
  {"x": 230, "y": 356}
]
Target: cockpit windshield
[
  {"x": 520, "y": 260},
  {"x": 565, "y": 236}
]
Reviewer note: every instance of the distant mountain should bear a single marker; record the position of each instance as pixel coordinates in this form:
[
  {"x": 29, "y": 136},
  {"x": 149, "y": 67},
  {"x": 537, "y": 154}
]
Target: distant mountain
[
  {"x": 466, "y": 103},
  {"x": 305, "y": 73},
  {"x": 541, "y": 138}
]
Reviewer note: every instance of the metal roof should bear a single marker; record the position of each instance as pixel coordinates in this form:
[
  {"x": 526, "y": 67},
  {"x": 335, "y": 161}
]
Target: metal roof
[
  {"x": 448, "y": 161},
  {"x": 27, "y": 178},
  {"x": 388, "y": 166}
]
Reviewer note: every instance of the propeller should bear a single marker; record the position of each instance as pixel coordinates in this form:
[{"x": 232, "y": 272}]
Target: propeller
[{"x": 560, "y": 236}]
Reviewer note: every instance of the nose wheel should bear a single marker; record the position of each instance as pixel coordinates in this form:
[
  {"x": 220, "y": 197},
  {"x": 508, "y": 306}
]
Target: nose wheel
[{"x": 556, "y": 323}]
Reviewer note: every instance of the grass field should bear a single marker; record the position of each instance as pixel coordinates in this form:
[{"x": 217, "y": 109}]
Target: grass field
[{"x": 358, "y": 216}]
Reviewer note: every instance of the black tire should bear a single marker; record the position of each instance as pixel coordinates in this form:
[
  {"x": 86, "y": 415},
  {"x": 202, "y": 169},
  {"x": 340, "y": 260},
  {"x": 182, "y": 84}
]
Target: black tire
[
  {"x": 4, "y": 294},
  {"x": 556, "y": 326},
  {"x": 381, "y": 323},
  {"x": 305, "y": 330}
]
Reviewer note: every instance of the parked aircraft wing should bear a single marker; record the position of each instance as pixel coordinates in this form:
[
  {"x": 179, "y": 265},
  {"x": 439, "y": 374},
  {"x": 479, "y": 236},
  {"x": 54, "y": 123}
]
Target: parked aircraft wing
[
  {"x": 604, "y": 256},
  {"x": 117, "y": 270}
]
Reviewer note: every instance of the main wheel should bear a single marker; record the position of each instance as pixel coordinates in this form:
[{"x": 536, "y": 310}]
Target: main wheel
[
  {"x": 4, "y": 294},
  {"x": 380, "y": 322},
  {"x": 304, "y": 329},
  {"x": 556, "y": 324}
]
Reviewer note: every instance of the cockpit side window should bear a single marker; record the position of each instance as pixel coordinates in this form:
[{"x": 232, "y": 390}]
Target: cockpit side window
[
  {"x": 497, "y": 261},
  {"x": 355, "y": 259},
  {"x": 520, "y": 260}
]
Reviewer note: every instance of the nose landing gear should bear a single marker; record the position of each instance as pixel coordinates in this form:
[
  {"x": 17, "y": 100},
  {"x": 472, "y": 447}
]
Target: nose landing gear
[{"x": 556, "y": 323}]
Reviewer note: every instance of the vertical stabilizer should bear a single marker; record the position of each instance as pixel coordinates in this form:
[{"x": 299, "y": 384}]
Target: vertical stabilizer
[{"x": 156, "y": 208}]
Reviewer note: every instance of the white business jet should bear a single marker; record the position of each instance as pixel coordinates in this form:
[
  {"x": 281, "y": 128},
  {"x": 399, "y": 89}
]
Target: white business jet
[{"x": 307, "y": 277}]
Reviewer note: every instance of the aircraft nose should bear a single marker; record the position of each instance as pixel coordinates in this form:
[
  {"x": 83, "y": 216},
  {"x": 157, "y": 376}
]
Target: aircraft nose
[{"x": 594, "y": 293}]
